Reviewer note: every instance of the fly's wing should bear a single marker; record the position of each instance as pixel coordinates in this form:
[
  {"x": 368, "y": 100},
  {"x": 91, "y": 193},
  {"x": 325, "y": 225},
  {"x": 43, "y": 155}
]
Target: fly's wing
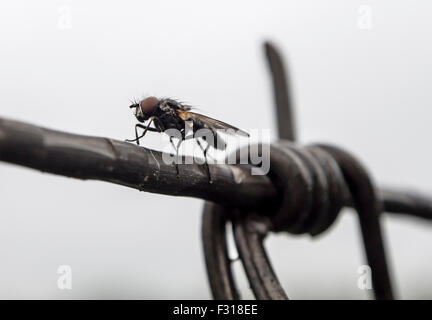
[
  {"x": 207, "y": 122},
  {"x": 186, "y": 107}
]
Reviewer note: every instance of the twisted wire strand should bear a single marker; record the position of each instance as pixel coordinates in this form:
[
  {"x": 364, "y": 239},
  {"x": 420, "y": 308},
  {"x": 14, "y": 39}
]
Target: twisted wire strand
[
  {"x": 333, "y": 180},
  {"x": 315, "y": 183}
]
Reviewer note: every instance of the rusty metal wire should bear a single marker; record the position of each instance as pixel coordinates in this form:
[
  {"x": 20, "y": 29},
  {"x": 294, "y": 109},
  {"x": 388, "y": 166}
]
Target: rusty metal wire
[
  {"x": 105, "y": 159},
  {"x": 314, "y": 184},
  {"x": 114, "y": 161},
  {"x": 304, "y": 192},
  {"x": 282, "y": 94}
]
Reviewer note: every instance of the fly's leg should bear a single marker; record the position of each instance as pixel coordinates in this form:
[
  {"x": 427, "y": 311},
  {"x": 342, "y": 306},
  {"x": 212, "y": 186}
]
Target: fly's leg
[
  {"x": 176, "y": 149},
  {"x": 136, "y": 134},
  {"x": 204, "y": 150},
  {"x": 146, "y": 128}
]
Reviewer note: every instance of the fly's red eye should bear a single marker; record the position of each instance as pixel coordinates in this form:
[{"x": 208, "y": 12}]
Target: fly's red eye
[{"x": 148, "y": 105}]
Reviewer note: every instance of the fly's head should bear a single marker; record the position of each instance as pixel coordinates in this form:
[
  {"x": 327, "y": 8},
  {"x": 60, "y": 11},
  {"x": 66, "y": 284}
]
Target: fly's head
[{"x": 144, "y": 109}]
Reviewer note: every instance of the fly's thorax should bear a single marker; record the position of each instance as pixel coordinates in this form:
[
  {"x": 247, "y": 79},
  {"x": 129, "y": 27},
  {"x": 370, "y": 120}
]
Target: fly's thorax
[{"x": 169, "y": 118}]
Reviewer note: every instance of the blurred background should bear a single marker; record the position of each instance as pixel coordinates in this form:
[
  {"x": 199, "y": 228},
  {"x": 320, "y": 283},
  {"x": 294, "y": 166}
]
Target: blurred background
[{"x": 361, "y": 74}]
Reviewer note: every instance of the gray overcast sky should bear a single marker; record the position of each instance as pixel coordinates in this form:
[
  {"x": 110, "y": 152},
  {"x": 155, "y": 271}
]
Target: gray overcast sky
[{"x": 74, "y": 65}]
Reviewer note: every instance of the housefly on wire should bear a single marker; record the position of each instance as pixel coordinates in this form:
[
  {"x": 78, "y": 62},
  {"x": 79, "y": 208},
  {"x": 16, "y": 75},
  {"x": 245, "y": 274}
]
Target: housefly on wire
[{"x": 167, "y": 114}]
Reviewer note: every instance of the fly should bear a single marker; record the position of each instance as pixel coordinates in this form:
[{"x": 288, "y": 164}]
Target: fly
[{"x": 166, "y": 114}]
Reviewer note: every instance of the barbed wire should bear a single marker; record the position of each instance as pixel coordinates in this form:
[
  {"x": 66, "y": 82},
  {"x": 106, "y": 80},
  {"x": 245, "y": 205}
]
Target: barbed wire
[
  {"x": 314, "y": 184},
  {"x": 250, "y": 202}
]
